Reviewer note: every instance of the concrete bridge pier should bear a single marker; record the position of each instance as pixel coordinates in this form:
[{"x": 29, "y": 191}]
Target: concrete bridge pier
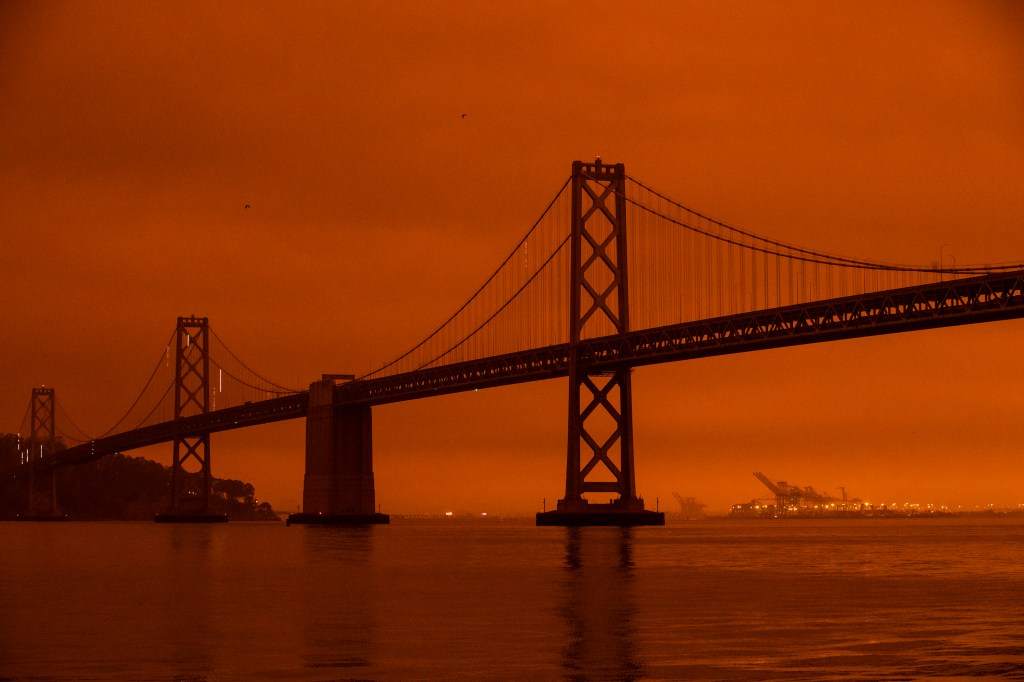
[{"x": 338, "y": 488}]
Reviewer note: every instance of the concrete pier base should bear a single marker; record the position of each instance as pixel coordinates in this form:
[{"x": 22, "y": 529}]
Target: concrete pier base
[
  {"x": 598, "y": 518},
  {"x": 338, "y": 487},
  {"x": 628, "y": 512}
]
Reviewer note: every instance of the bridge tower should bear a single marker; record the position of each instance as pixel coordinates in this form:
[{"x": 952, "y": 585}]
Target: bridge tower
[
  {"x": 600, "y": 402},
  {"x": 190, "y": 467},
  {"x": 42, "y": 488}
]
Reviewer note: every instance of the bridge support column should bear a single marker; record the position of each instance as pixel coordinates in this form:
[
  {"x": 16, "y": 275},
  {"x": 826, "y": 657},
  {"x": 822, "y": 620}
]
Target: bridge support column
[
  {"x": 338, "y": 487},
  {"x": 600, "y": 403},
  {"x": 42, "y": 482},
  {"x": 190, "y": 490}
]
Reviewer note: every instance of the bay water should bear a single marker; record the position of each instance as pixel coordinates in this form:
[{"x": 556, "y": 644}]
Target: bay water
[{"x": 501, "y": 599}]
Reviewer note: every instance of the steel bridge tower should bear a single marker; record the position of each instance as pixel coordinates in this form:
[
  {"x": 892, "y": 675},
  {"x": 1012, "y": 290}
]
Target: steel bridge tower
[
  {"x": 190, "y": 490},
  {"x": 600, "y": 402},
  {"x": 42, "y": 487}
]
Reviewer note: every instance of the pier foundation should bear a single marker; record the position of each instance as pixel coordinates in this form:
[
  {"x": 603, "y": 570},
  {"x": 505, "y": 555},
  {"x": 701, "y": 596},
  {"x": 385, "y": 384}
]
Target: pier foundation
[{"x": 338, "y": 487}]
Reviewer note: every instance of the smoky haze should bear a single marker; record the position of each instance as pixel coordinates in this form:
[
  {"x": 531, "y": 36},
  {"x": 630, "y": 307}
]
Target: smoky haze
[{"x": 328, "y": 181}]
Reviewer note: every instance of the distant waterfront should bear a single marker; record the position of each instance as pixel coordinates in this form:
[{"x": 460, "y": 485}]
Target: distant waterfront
[{"x": 770, "y": 511}]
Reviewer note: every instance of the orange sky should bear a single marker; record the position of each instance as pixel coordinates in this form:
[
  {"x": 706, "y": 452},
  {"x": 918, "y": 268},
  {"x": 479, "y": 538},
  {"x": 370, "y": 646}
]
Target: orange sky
[{"x": 133, "y": 134}]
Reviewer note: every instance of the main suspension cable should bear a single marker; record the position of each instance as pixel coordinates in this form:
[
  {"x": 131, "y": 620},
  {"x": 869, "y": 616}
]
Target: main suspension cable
[
  {"x": 69, "y": 438},
  {"x": 284, "y": 389},
  {"x": 478, "y": 291},
  {"x": 811, "y": 256},
  {"x": 163, "y": 357},
  {"x": 155, "y": 407},
  {"x": 65, "y": 415},
  {"x": 24, "y": 426},
  {"x": 505, "y": 305}
]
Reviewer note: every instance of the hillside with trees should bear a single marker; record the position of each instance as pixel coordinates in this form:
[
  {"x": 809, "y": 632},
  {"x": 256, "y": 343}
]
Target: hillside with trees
[{"x": 119, "y": 487}]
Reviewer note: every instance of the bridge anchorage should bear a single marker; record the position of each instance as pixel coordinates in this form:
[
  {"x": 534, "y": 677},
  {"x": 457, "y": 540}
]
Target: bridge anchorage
[
  {"x": 600, "y": 399},
  {"x": 190, "y": 489}
]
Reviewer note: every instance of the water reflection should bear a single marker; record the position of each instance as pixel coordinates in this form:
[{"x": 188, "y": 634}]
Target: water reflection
[
  {"x": 599, "y": 605},
  {"x": 340, "y": 621},
  {"x": 349, "y": 545},
  {"x": 189, "y": 598}
]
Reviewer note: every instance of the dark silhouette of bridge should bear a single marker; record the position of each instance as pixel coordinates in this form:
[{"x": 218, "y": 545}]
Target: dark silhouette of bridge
[{"x": 569, "y": 301}]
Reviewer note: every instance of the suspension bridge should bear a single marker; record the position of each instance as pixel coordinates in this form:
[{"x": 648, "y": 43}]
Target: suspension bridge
[{"x": 569, "y": 301}]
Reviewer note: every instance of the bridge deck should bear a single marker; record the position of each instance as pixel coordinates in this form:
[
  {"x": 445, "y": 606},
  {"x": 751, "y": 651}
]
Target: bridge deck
[
  {"x": 965, "y": 301},
  {"x": 957, "y": 302}
]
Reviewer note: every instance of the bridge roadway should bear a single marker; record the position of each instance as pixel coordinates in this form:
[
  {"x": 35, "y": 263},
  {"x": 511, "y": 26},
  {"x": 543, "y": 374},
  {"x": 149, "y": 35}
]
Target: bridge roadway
[{"x": 962, "y": 301}]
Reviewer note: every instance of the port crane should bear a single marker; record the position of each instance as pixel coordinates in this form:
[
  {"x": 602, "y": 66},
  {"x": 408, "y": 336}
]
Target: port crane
[
  {"x": 790, "y": 496},
  {"x": 690, "y": 507}
]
